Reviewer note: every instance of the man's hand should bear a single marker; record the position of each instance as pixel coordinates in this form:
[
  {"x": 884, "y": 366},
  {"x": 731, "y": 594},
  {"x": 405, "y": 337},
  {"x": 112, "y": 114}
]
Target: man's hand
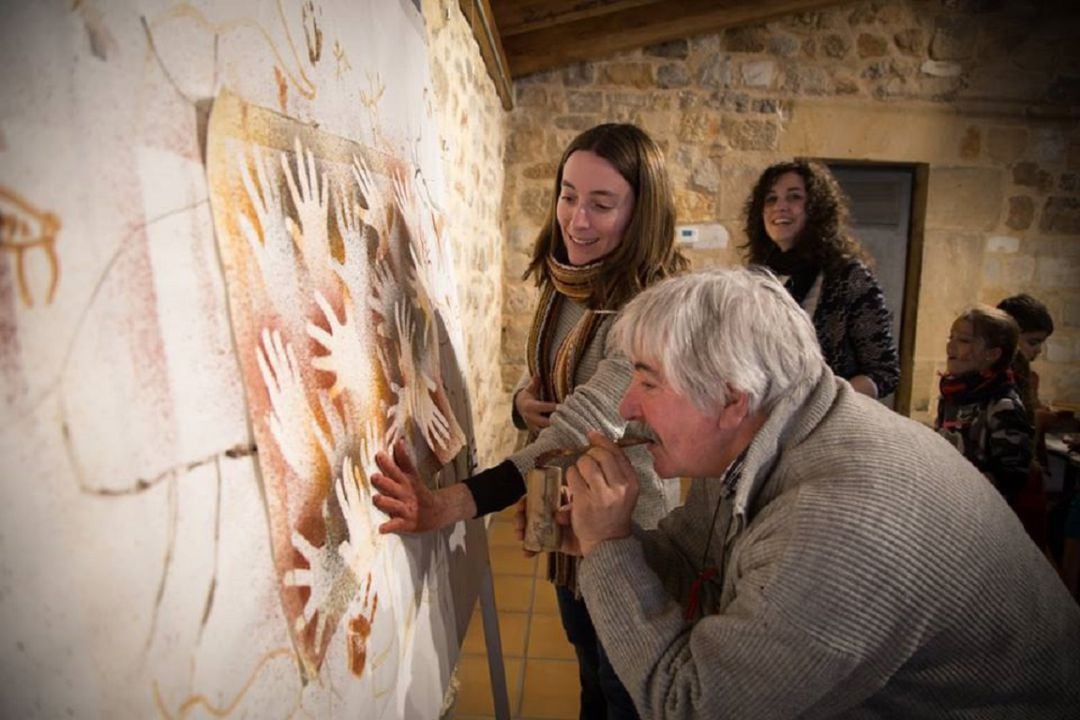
[
  {"x": 536, "y": 413},
  {"x": 603, "y": 491}
]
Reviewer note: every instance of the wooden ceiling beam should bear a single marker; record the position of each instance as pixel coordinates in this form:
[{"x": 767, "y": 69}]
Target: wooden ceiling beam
[
  {"x": 521, "y": 16},
  {"x": 482, "y": 21},
  {"x": 598, "y": 36}
]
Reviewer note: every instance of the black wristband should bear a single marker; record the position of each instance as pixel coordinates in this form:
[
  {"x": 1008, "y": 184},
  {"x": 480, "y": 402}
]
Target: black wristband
[{"x": 496, "y": 488}]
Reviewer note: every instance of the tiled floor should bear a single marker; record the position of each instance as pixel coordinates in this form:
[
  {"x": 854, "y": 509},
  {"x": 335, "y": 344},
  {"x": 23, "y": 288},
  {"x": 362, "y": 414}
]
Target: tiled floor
[{"x": 541, "y": 671}]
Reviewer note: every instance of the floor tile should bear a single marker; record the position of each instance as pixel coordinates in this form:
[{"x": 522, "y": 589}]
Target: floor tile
[
  {"x": 551, "y": 689},
  {"x": 544, "y": 599},
  {"x": 501, "y": 533},
  {"x": 547, "y": 639},
  {"x": 474, "y": 691},
  {"x": 513, "y": 593},
  {"x": 511, "y": 560},
  {"x": 512, "y": 630}
]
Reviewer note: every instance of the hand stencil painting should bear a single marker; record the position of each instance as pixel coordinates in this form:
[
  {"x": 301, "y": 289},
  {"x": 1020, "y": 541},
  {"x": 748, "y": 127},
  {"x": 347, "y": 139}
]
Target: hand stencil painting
[{"x": 328, "y": 248}]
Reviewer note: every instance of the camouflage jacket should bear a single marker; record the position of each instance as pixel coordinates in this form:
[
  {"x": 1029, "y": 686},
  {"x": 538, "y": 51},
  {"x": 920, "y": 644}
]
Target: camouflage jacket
[{"x": 993, "y": 433}]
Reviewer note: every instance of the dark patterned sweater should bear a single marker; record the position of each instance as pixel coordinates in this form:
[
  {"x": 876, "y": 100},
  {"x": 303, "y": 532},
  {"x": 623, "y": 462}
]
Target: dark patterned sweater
[
  {"x": 854, "y": 327},
  {"x": 992, "y": 431}
]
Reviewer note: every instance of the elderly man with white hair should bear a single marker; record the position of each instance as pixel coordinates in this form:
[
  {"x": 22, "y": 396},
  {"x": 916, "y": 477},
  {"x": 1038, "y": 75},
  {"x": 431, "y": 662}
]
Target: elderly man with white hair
[{"x": 833, "y": 558}]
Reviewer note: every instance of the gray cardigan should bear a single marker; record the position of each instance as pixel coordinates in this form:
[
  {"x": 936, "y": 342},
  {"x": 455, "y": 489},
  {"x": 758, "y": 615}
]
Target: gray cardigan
[
  {"x": 600, "y": 379},
  {"x": 867, "y": 570}
]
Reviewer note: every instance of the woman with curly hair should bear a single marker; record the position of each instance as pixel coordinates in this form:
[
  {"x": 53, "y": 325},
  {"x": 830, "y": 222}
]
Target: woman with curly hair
[{"x": 796, "y": 225}]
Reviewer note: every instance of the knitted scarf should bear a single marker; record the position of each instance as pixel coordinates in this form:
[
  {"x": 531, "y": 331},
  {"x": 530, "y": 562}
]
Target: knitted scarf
[
  {"x": 975, "y": 386},
  {"x": 568, "y": 281},
  {"x": 557, "y": 378}
]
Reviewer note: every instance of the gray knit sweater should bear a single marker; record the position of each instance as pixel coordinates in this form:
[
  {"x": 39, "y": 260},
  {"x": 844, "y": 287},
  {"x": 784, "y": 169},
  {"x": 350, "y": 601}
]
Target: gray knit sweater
[
  {"x": 866, "y": 571},
  {"x": 600, "y": 379}
]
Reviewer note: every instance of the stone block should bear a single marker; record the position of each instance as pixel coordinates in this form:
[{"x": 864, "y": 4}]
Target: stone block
[
  {"x": 638, "y": 75},
  {"x": 531, "y": 96},
  {"x": 871, "y": 46},
  {"x": 971, "y": 143},
  {"x": 1007, "y": 270},
  {"x": 739, "y": 102},
  {"x": 578, "y": 75},
  {"x": 746, "y": 39},
  {"x": 737, "y": 179},
  {"x": 1029, "y": 174},
  {"x": 679, "y": 49},
  {"x": 783, "y": 45},
  {"x": 698, "y": 127},
  {"x": 1070, "y": 316},
  {"x": 1060, "y": 349},
  {"x": 952, "y": 275},
  {"x": 584, "y": 101},
  {"x": 954, "y": 38},
  {"x": 960, "y": 197},
  {"x": 836, "y": 46},
  {"x": 706, "y": 175},
  {"x": 672, "y": 75},
  {"x": 1061, "y": 272},
  {"x": 941, "y": 68},
  {"x": 716, "y": 72},
  {"x": 1061, "y": 215},
  {"x": 807, "y": 80},
  {"x": 1048, "y": 146},
  {"x": 758, "y": 73},
  {"x": 1006, "y": 144},
  {"x": 910, "y": 41},
  {"x": 627, "y": 100},
  {"x": 533, "y": 204},
  {"x": 1021, "y": 212},
  {"x": 575, "y": 122},
  {"x": 1002, "y": 244},
  {"x": 751, "y": 134}
]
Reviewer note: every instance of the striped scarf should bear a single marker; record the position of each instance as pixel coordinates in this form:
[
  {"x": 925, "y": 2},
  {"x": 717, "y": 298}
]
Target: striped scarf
[{"x": 557, "y": 378}]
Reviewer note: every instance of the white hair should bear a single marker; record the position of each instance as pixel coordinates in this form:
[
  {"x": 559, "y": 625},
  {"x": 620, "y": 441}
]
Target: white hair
[{"x": 734, "y": 327}]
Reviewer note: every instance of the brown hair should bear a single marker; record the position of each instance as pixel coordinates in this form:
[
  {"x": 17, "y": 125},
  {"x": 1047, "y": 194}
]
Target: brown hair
[
  {"x": 825, "y": 236},
  {"x": 647, "y": 252},
  {"x": 997, "y": 329}
]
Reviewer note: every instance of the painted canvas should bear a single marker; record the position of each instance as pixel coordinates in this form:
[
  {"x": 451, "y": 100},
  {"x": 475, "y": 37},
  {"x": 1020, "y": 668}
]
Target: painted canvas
[{"x": 224, "y": 284}]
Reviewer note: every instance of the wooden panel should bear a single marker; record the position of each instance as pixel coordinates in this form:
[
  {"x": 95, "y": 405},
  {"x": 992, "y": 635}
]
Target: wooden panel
[
  {"x": 482, "y": 21},
  {"x": 599, "y": 36},
  {"x": 519, "y": 16}
]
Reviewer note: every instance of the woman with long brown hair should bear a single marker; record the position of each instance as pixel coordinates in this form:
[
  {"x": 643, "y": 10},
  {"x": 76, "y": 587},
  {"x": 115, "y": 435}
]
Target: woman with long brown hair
[{"x": 609, "y": 234}]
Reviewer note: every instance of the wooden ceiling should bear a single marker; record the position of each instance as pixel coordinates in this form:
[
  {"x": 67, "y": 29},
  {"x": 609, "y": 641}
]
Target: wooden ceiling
[{"x": 520, "y": 37}]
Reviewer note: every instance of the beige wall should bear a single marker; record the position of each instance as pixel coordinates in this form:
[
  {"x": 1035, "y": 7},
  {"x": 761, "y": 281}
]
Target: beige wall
[
  {"x": 980, "y": 98},
  {"x": 472, "y": 132}
]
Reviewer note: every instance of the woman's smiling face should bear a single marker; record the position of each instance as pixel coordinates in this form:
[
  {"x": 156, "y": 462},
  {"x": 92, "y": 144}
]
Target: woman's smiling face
[
  {"x": 784, "y": 212},
  {"x": 594, "y": 209}
]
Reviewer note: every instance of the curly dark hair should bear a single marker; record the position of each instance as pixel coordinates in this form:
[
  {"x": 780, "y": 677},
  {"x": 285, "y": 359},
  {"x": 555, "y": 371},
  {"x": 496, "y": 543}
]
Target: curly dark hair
[
  {"x": 825, "y": 238},
  {"x": 647, "y": 252}
]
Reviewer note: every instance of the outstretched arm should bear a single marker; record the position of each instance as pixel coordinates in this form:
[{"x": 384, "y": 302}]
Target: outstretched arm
[{"x": 411, "y": 505}]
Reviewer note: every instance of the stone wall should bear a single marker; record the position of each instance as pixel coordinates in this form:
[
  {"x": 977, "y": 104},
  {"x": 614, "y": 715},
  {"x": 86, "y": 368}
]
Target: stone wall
[
  {"x": 472, "y": 132},
  {"x": 985, "y": 99}
]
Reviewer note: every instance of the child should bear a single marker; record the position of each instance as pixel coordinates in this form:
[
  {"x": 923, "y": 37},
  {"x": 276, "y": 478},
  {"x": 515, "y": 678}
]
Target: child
[
  {"x": 1036, "y": 326},
  {"x": 980, "y": 411}
]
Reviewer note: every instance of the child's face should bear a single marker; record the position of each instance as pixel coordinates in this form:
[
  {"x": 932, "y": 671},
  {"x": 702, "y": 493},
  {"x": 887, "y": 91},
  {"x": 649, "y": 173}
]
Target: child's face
[
  {"x": 966, "y": 352},
  {"x": 1031, "y": 343}
]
